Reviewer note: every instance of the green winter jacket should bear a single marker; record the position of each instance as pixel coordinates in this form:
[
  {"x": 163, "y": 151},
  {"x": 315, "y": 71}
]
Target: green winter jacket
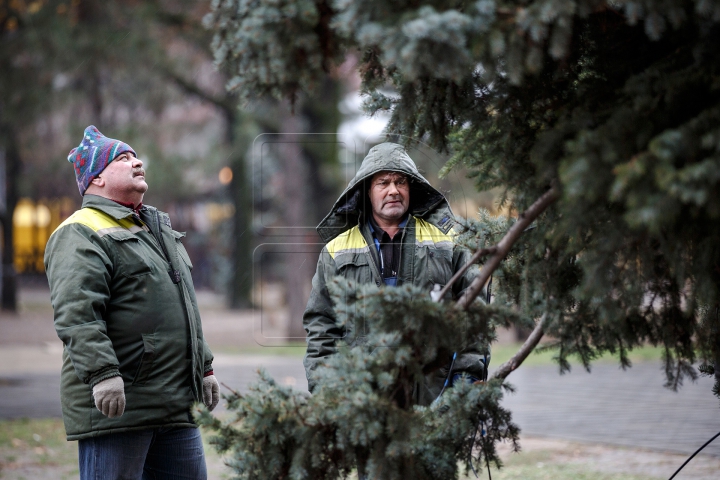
[
  {"x": 428, "y": 256},
  {"x": 119, "y": 312}
]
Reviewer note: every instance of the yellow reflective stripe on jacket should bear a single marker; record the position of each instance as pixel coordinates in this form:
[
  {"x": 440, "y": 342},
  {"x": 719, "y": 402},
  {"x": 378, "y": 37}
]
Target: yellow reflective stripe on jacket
[
  {"x": 350, "y": 241},
  {"x": 428, "y": 234},
  {"x": 99, "y": 222}
]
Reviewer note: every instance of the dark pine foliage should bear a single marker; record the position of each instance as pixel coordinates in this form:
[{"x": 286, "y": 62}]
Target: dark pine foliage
[{"x": 616, "y": 105}]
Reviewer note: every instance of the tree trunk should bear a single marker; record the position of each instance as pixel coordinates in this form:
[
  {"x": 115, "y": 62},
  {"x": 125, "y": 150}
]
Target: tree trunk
[
  {"x": 323, "y": 194},
  {"x": 12, "y": 161},
  {"x": 321, "y": 152},
  {"x": 241, "y": 277},
  {"x": 293, "y": 206},
  {"x": 96, "y": 99}
]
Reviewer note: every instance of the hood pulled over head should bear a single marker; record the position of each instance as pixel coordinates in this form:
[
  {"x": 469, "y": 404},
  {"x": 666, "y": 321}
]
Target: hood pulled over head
[{"x": 425, "y": 201}]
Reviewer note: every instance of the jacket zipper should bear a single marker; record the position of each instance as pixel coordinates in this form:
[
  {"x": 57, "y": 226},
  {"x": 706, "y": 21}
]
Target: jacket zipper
[
  {"x": 174, "y": 274},
  {"x": 373, "y": 265},
  {"x": 402, "y": 247},
  {"x": 176, "y": 279}
]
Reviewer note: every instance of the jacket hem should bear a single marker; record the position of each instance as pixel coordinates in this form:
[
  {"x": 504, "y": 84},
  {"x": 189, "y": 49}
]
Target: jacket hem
[{"x": 97, "y": 433}]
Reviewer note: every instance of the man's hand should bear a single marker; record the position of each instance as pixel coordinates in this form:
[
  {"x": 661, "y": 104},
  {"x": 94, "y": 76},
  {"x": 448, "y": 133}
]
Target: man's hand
[
  {"x": 211, "y": 392},
  {"x": 109, "y": 397}
]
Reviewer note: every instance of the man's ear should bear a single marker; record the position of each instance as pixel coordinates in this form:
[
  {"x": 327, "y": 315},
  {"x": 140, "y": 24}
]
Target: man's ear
[{"x": 100, "y": 182}]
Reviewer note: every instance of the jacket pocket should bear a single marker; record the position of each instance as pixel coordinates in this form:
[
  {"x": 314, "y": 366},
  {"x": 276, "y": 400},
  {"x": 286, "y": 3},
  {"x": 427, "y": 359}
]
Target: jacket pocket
[
  {"x": 354, "y": 266},
  {"x": 131, "y": 261},
  {"x": 147, "y": 359},
  {"x": 439, "y": 265}
]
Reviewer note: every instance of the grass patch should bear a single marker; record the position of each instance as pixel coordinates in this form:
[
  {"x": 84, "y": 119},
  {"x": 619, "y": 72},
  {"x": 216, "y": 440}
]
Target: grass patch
[
  {"x": 48, "y": 432},
  {"x": 289, "y": 350},
  {"x": 37, "y": 449},
  {"x": 503, "y": 353},
  {"x": 542, "y": 471},
  {"x": 546, "y": 465}
]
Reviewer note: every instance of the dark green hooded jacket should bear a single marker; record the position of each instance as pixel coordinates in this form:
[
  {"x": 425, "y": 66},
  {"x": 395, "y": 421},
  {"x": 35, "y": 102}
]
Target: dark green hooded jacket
[
  {"x": 119, "y": 312},
  {"x": 428, "y": 256}
]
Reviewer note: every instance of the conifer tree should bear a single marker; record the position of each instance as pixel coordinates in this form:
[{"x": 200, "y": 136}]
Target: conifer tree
[{"x": 600, "y": 122}]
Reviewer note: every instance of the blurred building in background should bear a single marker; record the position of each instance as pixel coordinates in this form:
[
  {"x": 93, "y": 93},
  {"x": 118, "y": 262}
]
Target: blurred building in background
[{"x": 33, "y": 223}]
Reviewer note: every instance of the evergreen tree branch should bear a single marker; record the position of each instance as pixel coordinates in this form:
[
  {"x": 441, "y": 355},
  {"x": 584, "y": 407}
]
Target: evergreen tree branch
[
  {"x": 532, "y": 341},
  {"x": 503, "y": 247}
]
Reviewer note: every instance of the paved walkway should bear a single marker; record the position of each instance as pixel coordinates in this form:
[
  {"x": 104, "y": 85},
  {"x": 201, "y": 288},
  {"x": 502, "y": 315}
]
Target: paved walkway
[
  {"x": 610, "y": 406},
  {"x": 630, "y": 408}
]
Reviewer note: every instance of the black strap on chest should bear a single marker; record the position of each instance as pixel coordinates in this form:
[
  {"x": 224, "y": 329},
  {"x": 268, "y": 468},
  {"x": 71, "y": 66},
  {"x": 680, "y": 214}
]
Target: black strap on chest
[{"x": 160, "y": 238}]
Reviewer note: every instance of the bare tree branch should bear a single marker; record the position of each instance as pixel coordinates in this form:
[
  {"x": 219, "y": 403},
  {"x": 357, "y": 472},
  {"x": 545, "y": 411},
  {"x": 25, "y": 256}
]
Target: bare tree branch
[
  {"x": 222, "y": 102},
  {"x": 532, "y": 341},
  {"x": 499, "y": 252},
  {"x": 475, "y": 258},
  {"x": 227, "y": 104},
  {"x": 504, "y": 246}
]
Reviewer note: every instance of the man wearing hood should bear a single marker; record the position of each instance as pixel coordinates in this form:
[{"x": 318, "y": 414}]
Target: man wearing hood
[{"x": 389, "y": 226}]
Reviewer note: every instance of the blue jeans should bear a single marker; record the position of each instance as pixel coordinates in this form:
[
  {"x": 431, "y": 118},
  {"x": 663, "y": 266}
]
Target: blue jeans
[{"x": 155, "y": 454}]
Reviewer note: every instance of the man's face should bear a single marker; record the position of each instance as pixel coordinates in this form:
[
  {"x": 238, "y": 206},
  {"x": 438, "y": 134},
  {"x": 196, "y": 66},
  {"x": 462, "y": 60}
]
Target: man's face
[
  {"x": 389, "y": 196},
  {"x": 125, "y": 178}
]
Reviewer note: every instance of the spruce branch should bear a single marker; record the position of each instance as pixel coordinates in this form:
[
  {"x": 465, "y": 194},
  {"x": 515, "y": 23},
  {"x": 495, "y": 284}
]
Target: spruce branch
[
  {"x": 502, "y": 248},
  {"x": 532, "y": 341}
]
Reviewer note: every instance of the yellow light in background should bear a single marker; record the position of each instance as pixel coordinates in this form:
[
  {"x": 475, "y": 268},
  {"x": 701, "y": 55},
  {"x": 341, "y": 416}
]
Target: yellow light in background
[
  {"x": 28, "y": 215},
  {"x": 34, "y": 7},
  {"x": 32, "y": 227},
  {"x": 225, "y": 175},
  {"x": 43, "y": 216},
  {"x": 219, "y": 212},
  {"x": 24, "y": 215}
]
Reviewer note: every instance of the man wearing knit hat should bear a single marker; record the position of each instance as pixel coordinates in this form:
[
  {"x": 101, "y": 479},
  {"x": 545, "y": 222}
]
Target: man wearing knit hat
[{"x": 134, "y": 357}]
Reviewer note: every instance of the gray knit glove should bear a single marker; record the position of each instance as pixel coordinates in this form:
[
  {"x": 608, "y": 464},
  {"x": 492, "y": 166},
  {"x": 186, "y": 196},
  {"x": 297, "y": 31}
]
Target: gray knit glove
[
  {"x": 109, "y": 397},
  {"x": 211, "y": 392}
]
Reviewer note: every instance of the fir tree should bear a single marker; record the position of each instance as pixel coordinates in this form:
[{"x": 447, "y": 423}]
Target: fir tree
[{"x": 599, "y": 120}]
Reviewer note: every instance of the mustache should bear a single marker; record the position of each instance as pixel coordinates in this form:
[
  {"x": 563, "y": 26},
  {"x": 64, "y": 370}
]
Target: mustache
[{"x": 139, "y": 171}]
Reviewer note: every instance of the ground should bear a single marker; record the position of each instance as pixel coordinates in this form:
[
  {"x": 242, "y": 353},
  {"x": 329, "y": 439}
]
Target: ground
[{"x": 35, "y": 448}]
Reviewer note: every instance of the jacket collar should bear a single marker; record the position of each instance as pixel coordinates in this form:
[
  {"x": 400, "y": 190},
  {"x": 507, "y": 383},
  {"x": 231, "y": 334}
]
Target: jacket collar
[
  {"x": 374, "y": 226},
  {"x": 107, "y": 206}
]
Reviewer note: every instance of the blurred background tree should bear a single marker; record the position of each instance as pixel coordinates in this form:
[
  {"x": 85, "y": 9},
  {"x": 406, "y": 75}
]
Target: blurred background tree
[
  {"x": 602, "y": 116},
  {"x": 70, "y": 64},
  {"x": 143, "y": 72}
]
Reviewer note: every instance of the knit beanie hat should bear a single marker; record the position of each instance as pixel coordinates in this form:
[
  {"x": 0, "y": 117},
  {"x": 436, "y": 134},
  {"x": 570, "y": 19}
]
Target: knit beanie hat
[{"x": 93, "y": 154}]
